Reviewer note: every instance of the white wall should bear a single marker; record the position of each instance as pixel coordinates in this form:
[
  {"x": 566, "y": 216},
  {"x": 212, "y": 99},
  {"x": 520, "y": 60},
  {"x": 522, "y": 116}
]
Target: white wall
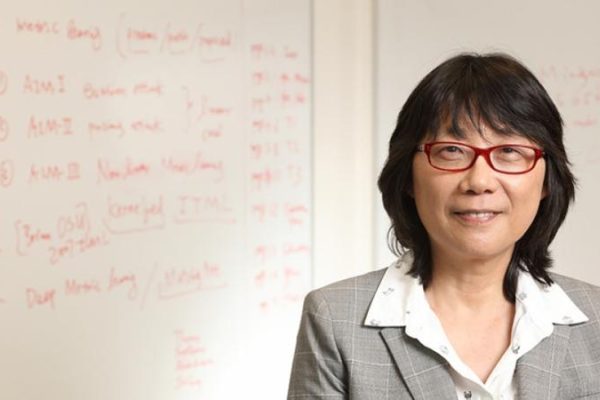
[{"x": 343, "y": 138}]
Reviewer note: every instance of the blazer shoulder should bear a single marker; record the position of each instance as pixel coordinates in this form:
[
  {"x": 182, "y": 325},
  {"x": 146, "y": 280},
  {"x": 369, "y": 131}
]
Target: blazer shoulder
[
  {"x": 347, "y": 299},
  {"x": 585, "y": 295}
]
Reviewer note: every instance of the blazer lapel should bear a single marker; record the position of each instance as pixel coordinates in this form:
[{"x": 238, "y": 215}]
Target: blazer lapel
[
  {"x": 538, "y": 372},
  {"x": 423, "y": 371}
]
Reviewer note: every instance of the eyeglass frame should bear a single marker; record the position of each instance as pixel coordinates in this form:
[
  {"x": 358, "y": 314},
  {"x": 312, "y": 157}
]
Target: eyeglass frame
[{"x": 485, "y": 152}]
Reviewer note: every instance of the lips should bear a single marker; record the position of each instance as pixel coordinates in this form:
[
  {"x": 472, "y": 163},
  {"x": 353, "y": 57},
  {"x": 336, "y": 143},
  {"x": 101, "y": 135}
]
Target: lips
[{"x": 476, "y": 216}]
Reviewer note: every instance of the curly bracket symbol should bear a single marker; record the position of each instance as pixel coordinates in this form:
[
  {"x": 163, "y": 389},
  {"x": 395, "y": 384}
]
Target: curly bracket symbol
[{"x": 6, "y": 172}]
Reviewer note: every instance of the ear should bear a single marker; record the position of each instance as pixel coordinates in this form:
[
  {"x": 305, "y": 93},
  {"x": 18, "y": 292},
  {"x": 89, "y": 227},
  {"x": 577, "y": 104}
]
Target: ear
[
  {"x": 410, "y": 191},
  {"x": 544, "y": 192}
]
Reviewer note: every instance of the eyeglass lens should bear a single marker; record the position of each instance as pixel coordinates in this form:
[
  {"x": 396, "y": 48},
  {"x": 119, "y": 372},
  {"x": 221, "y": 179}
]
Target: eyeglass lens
[{"x": 511, "y": 158}]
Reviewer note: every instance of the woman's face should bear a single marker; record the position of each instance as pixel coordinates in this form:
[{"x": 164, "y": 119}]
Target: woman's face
[{"x": 478, "y": 213}]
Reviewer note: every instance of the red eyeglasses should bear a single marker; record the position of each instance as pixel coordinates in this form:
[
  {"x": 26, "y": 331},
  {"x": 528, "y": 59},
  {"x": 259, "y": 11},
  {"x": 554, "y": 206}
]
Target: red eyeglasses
[{"x": 506, "y": 158}]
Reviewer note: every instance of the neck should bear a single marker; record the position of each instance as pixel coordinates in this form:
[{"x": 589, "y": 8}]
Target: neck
[{"x": 468, "y": 285}]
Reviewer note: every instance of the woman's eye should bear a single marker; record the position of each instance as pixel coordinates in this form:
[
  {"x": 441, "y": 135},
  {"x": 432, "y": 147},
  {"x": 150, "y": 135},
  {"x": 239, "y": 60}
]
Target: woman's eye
[
  {"x": 511, "y": 152},
  {"x": 452, "y": 149},
  {"x": 449, "y": 152}
]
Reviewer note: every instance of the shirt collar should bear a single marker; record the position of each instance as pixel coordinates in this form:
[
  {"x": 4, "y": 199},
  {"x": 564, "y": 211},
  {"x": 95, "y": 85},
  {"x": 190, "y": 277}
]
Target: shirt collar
[
  {"x": 400, "y": 295},
  {"x": 547, "y": 305}
]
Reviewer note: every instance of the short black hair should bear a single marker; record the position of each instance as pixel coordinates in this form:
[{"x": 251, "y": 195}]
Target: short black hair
[{"x": 500, "y": 92}]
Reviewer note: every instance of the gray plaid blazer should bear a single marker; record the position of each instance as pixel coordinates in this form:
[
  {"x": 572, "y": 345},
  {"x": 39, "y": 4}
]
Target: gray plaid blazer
[{"x": 337, "y": 357}]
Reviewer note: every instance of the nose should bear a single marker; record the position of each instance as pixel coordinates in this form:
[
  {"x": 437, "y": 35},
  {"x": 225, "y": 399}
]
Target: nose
[{"x": 480, "y": 178}]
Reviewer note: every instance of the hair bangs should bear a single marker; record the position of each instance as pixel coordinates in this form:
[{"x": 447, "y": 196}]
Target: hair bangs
[{"x": 471, "y": 103}]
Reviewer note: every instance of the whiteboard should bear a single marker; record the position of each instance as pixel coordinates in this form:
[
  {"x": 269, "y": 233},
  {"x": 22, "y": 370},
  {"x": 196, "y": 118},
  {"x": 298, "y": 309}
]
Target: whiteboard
[
  {"x": 155, "y": 197},
  {"x": 559, "y": 41}
]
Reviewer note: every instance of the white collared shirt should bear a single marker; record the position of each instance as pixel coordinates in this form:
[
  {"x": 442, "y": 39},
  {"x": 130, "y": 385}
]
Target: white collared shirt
[{"x": 400, "y": 301}]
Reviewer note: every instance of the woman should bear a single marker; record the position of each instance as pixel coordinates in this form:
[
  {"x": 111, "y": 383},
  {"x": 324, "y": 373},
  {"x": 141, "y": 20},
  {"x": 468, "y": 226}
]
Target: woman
[{"x": 476, "y": 184}]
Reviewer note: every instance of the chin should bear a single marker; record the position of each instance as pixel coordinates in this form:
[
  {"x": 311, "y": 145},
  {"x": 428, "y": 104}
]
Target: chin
[{"x": 482, "y": 249}]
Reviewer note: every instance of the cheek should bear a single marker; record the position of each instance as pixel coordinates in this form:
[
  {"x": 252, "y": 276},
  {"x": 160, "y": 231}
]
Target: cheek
[
  {"x": 431, "y": 196},
  {"x": 532, "y": 203},
  {"x": 524, "y": 217},
  {"x": 525, "y": 202}
]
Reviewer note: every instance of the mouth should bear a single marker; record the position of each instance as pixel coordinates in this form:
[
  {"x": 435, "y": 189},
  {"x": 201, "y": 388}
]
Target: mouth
[{"x": 476, "y": 216}]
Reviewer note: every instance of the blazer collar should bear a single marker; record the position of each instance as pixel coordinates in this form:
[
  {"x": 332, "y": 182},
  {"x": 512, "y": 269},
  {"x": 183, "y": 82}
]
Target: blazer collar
[{"x": 424, "y": 371}]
